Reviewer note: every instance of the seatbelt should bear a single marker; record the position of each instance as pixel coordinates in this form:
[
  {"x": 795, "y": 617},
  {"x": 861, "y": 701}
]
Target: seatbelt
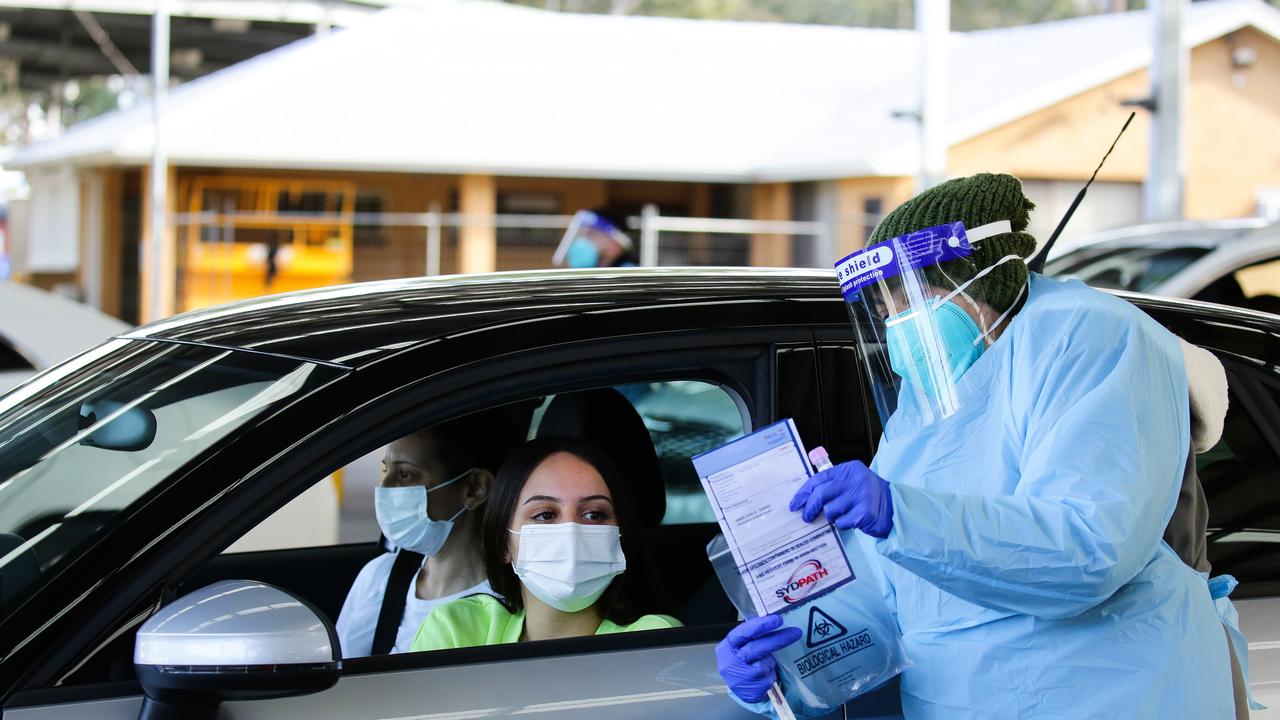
[{"x": 403, "y": 570}]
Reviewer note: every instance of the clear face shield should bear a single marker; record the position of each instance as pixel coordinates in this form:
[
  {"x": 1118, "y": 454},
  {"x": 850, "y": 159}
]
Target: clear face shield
[
  {"x": 591, "y": 241},
  {"x": 920, "y": 328}
]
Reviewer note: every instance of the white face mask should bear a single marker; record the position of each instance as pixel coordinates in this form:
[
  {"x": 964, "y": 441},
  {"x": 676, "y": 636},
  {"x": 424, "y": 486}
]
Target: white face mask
[
  {"x": 402, "y": 515},
  {"x": 567, "y": 565}
]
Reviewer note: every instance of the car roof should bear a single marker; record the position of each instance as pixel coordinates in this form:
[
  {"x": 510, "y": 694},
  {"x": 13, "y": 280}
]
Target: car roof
[
  {"x": 1209, "y": 234},
  {"x": 355, "y": 325},
  {"x": 360, "y": 324},
  {"x": 51, "y": 328}
]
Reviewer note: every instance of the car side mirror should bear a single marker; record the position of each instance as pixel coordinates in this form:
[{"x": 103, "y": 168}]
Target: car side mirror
[
  {"x": 232, "y": 640},
  {"x": 130, "y": 429}
]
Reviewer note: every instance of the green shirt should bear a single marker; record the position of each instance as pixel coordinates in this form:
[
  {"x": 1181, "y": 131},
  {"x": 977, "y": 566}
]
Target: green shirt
[{"x": 482, "y": 620}]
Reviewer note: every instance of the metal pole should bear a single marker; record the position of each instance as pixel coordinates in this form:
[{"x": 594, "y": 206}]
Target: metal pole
[
  {"x": 649, "y": 235},
  {"x": 824, "y": 254},
  {"x": 933, "y": 27},
  {"x": 433, "y": 239},
  {"x": 159, "y": 158},
  {"x": 228, "y": 236},
  {"x": 1166, "y": 163}
]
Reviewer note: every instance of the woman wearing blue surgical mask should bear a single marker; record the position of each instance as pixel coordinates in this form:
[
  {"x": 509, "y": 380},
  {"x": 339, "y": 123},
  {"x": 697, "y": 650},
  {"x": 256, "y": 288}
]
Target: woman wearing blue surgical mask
[
  {"x": 558, "y": 554},
  {"x": 434, "y": 486}
]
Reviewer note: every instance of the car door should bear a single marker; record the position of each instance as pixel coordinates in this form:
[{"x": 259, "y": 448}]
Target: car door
[
  {"x": 1241, "y": 479},
  {"x": 768, "y": 373}
]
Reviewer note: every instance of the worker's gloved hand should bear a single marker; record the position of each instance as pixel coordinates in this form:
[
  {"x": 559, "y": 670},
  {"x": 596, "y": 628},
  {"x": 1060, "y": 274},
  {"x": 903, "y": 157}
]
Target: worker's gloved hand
[
  {"x": 851, "y": 496},
  {"x": 745, "y": 655}
]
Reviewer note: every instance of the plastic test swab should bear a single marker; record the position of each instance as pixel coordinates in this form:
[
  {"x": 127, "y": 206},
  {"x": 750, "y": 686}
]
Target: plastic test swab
[{"x": 779, "y": 703}]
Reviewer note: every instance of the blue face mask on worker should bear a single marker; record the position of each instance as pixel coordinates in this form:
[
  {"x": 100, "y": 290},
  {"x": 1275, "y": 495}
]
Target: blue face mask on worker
[
  {"x": 583, "y": 253},
  {"x": 402, "y": 516},
  {"x": 910, "y": 334}
]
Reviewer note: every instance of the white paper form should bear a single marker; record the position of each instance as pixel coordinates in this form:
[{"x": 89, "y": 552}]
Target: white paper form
[{"x": 782, "y": 559}]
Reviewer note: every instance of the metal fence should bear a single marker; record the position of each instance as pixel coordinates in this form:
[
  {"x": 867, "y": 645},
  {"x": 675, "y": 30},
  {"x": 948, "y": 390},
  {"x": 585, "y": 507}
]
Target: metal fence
[
  {"x": 224, "y": 256},
  {"x": 668, "y": 240}
]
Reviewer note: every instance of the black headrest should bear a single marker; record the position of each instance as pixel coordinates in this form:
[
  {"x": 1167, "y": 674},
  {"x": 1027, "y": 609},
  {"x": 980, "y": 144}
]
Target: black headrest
[{"x": 607, "y": 420}]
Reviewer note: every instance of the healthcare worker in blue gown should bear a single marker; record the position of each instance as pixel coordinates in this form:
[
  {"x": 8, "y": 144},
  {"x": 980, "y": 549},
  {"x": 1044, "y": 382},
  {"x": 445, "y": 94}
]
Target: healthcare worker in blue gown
[{"x": 1035, "y": 437}]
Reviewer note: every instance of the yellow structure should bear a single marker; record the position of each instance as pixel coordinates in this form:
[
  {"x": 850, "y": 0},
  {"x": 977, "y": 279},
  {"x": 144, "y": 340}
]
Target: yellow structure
[{"x": 250, "y": 236}]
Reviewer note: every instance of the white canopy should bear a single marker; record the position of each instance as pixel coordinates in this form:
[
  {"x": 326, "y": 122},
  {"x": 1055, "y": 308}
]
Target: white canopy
[{"x": 457, "y": 86}]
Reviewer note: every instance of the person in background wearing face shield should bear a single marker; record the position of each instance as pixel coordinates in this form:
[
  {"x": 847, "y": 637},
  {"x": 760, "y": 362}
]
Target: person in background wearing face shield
[
  {"x": 434, "y": 486},
  {"x": 595, "y": 239},
  {"x": 1035, "y": 435},
  {"x": 559, "y": 554}
]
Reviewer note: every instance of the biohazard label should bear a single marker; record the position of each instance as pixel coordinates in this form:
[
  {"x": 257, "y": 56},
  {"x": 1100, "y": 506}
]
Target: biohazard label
[
  {"x": 823, "y": 628},
  {"x": 840, "y": 649}
]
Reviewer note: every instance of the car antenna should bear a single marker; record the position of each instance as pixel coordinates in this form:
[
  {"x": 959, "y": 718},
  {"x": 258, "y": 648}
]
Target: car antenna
[{"x": 1037, "y": 262}]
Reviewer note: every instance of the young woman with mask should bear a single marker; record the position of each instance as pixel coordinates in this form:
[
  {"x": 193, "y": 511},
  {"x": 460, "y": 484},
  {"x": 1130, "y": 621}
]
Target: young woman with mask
[
  {"x": 558, "y": 553},
  {"x": 434, "y": 486}
]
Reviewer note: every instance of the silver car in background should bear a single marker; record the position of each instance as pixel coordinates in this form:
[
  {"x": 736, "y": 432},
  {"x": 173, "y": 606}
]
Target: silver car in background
[{"x": 1229, "y": 262}]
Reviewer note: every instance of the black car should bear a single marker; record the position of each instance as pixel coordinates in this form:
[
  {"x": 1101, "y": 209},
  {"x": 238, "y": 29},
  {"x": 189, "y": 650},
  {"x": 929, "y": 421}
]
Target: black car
[{"x": 126, "y": 472}]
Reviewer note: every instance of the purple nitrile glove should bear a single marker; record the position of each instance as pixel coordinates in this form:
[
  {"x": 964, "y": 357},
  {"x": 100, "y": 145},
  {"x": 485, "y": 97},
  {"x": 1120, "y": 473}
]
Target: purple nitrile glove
[
  {"x": 851, "y": 496},
  {"x": 745, "y": 655}
]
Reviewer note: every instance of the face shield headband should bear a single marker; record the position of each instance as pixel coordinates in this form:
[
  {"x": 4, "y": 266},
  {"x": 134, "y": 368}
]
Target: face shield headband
[{"x": 924, "y": 248}]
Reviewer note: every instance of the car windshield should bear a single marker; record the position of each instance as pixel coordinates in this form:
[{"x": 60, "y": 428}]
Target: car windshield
[
  {"x": 85, "y": 441},
  {"x": 1138, "y": 269}
]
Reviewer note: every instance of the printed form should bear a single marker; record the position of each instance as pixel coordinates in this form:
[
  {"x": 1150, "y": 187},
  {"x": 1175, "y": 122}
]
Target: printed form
[{"x": 782, "y": 559}]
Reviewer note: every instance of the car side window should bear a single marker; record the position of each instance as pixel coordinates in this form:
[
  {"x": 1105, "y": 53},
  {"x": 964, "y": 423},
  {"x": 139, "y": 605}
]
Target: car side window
[
  {"x": 851, "y": 426},
  {"x": 685, "y": 418},
  {"x": 1241, "y": 479},
  {"x": 320, "y": 544},
  {"x": 1255, "y": 286},
  {"x": 309, "y": 520}
]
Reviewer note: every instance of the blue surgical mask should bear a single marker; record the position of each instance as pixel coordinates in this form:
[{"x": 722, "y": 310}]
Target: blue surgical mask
[
  {"x": 583, "y": 253},
  {"x": 402, "y": 515},
  {"x": 958, "y": 333}
]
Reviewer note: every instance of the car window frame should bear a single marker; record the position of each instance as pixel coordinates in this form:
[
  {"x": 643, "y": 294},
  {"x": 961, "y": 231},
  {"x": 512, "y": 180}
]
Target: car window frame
[
  {"x": 425, "y": 401},
  {"x": 754, "y": 404}
]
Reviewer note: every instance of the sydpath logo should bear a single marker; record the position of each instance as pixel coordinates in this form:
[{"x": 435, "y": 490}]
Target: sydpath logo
[{"x": 803, "y": 581}]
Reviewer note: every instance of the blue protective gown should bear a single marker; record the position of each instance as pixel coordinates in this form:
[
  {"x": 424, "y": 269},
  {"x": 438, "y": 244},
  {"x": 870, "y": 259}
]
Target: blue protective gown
[{"x": 1026, "y": 565}]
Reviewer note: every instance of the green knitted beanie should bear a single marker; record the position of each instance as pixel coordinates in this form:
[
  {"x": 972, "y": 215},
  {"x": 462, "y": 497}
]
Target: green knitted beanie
[{"x": 974, "y": 201}]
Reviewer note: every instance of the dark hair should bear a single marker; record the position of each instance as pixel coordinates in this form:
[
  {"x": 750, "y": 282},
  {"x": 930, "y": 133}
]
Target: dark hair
[
  {"x": 630, "y": 595},
  {"x": 479, "y": 440}
]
